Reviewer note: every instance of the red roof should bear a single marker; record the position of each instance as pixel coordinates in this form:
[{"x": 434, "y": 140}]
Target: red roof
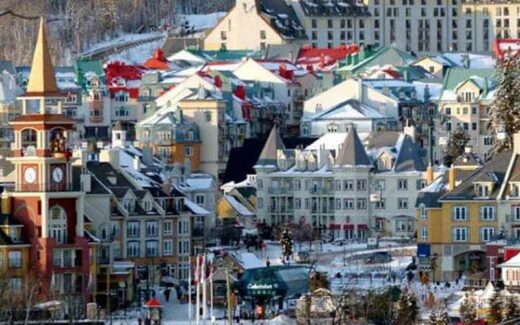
[
  {"x": 116, "y": 70},
  {"x": 153, "y": 302},
  {"x": 502, "y": 46},
  {"x": 394, "y": 74},
  {"x": 158, "y": 61},
  {"x": 324, "y": 57}
]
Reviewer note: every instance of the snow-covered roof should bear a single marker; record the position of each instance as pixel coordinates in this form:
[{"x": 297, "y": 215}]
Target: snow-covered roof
[
  {"x": 248, "y": 260},
  {"x": 348, "y": 110},
  {"x": 332, "y": 141},
  {"x": 194, "y": 208},
  {"x": 199, "y": 181},
  {"x": 512, "y": 262},
  {"x": 237, "y": 206}
]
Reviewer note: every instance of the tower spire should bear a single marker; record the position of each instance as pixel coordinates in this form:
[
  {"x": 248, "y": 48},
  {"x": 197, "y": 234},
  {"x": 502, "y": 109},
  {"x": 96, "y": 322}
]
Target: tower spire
[{"x": 42, "y": 81}]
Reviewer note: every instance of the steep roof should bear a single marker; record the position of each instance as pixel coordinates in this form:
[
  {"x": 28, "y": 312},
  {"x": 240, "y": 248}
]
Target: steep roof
[
  {"x": 353, "y": 152},
  {"x": 282, "y": 18},
  {"x": 497, "y": 167},
  {"x": 409, "y": 158},
  {"x": 349, "y": 109},
  {"x": 42, "y": 80},
  {"x": 269, "y": 154},
  {"x": 455, "y": 76}
]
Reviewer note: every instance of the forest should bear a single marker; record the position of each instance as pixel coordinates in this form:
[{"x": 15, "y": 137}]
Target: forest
[{"x": 75, "y": 25}]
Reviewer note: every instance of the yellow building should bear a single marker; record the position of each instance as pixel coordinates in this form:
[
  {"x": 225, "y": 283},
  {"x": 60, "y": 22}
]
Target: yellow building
[{"x": 458, "y": 214}]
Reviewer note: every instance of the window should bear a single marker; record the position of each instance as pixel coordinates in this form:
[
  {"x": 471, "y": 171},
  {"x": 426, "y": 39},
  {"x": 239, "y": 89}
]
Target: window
[
  {"x": 152, "y": 248},
  {"x": 183, "y": 247},
  {"x": 460, "y": 234},
  {"x": 348, "y": 204},
  {"x": 188, "y": 151},
  {"x": 297, "y": 185},
  {"x": 460, "y": 213},
  {"x": 516, "y": 213},
  {"x": 223, "y": 35},
  {"x": 168, "y": 247},
  {"x": 168, "y": 228},
  {"x": 348, "y": 185},
  {"x": 260, "y": 203},
  {"x": 208, "y": 116},
  {"x": 314, "y": 23},
  {"x": 297, "y": 203},
  {"x": 380, "y": 205},
  {"x": 329, "y": 23},
  {"x": 200, "y": 199},
  {"x": 57, "y": 224},
  {"x": 361, "y": 204},
  {"x": 262, "y": 35},
  {"x": 483, "y": 190},
  {"x": 183, "y": 227},
  {"x": 402, "y": 203},
  {"x": 361, "y": 185},
  {"x": 424, "y": 212},
  {"x": 152, "y": 228},
  {"x": 132, "y": 229},
  {"x": 132, "y": 249},
  {"x": 402, "y": 184},
  {"x": 15, "y": 259},
  {"x": 337, "y": 204},
  {"x": 487, "y": 233},
  {"x": 515, "y": 190},
  {"x": 487, "y": 213},
  {"x": 424, "y": 233},
  {"x": 379, "y": 185}
]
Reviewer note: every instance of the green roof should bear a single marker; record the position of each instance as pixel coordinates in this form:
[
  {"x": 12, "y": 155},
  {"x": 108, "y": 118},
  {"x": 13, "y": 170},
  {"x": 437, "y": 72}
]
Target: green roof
[
  {"x": 455, "y": 76},
  {"x": 226, "y": 55},
  {"x": 382, "y": 56},
  {"x": 89, "y": 65}
]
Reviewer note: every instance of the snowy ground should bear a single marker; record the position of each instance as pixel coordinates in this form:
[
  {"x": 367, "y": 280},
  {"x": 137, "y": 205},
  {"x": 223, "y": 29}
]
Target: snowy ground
[
  {"x": 121, "y": 40},
  {"x": 137, "y": 54}
]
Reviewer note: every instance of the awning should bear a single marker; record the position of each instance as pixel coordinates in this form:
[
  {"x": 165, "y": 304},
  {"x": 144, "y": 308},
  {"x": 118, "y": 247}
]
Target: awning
[
  {"x": 362, "y": 227},
  {"x": 335, "y": 226},
  {"x": 348, "y": 227}
]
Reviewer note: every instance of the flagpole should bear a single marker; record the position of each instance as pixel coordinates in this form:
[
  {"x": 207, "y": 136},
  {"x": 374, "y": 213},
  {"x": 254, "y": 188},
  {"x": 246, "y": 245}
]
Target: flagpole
[
  {"x": 189, "y": 295},
  {"x": 197, "y": 293},
  {"x": 211, "y": 292},
  {"x": 204, "y": 291}
]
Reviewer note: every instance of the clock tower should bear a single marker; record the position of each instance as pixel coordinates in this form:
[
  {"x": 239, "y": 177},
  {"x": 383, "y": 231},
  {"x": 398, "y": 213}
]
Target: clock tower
[{"x": 44, "y": 198}]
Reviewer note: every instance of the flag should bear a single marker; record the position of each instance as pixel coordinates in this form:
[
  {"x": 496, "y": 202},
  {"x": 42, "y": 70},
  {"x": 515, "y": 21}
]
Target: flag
[
  {"x": 203, "y": 270},
  {"x": 197, "y": 270},
  {"x": 89, "y": 285},
  {"x": 53, "y": 281}
]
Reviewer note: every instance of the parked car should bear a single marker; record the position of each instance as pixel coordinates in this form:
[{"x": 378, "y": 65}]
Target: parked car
[
  {"x": 305, "y": 257},
  {"x": 378, "y": 257}
]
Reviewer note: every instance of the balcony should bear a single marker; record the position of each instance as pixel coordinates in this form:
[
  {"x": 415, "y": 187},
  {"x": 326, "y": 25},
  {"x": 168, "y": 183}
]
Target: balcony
[
  {"x": 46, "y": 187},
  {"x": 197, "y": 232},
  {"x": 96, "y": 119},
  {"x": 321, "y": 191},
  {"x": 280, "y": 190}
]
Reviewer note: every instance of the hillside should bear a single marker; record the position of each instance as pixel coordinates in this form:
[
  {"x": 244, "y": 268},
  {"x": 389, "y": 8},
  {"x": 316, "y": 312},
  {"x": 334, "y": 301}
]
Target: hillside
[{"x": 76, "y": 25}]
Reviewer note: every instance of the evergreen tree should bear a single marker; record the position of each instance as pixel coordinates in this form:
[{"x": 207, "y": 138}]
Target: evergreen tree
[
  {"x": 443, "y": 318},
  {"x": 468, "y": 309},
  {"x": 512, "y": 311},
  {"x": 433, "y": 318},
  {"x": 286, "y": 243},
  {"x": 495, "y": 311},
  {"x": 458, "y": 141},
  {"x": 506, "y": 104},
  {"x": 407, "y": 309}
]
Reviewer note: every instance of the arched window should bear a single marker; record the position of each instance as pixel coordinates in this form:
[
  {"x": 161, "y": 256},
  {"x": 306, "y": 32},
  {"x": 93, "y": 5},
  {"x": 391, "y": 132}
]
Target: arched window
[
  {"x": 57, "y": 224},
  {"x": 29, "y": 138}
]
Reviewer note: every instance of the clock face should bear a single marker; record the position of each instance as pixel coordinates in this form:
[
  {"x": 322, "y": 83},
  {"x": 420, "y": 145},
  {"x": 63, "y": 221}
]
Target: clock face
[
  {"x": 30, "y": 175},
  {"x": 57, "y": 174}
]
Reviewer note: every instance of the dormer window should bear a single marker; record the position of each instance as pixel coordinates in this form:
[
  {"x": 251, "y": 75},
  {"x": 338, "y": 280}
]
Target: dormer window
[
  {"x": 147, "y": 206},
  {"x": 14, "y": 234},
  {"x": 121, "y": 82},
  {"x": 129, "y": 205},
  {"x": 482, "y": 190},
  {"x": 312, "y": 164},
  {"x": 515, "y": 190},
  {"x": 467, "y": 96},
  {"x": 112, "y": 179},
  {"x": 332, "y": 127}
]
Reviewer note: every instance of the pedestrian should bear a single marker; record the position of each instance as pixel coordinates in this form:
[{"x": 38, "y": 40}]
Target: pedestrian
[{"x": 167, "y": 294}]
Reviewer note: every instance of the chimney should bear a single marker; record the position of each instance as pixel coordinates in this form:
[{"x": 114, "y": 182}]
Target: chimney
[
  {"x": 137, "y": 163},
  {"x": 452, "y": 178},
  {"x": 429, "y": 174},
  {"x": 86, "y": 182},
  {"x": 361, "y": 90},
  {"x": 516, "y": 143},
  {"x": 6, "y": 204}
]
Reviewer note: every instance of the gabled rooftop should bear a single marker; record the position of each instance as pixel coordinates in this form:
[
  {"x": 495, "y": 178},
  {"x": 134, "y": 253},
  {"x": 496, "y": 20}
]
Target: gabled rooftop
[
  {"x": 352, "y": 153},
  {"x": 269, "y": 154}
]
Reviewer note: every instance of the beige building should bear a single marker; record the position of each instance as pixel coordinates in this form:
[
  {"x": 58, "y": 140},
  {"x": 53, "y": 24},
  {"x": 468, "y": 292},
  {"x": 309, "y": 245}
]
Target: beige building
[
  {"x": 253, "y": 24},
  {"x": 421, "y": 26}
]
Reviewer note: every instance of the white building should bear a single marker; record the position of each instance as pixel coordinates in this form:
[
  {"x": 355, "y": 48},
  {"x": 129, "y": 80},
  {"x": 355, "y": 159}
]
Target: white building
[{"x": 339, "y": 186}]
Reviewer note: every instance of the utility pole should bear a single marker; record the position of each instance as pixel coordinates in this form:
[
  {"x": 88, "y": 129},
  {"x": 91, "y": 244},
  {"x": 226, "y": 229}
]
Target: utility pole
[{"x": 228, "y": 290}]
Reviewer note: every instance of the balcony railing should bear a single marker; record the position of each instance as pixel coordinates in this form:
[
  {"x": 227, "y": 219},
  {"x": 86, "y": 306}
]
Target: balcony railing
[
  {"x": 197, "y": 232},
  {"x": 46, "y": 187},
  {"x": 321, "y": 191},
  {"x": 280, "y": 190}
]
